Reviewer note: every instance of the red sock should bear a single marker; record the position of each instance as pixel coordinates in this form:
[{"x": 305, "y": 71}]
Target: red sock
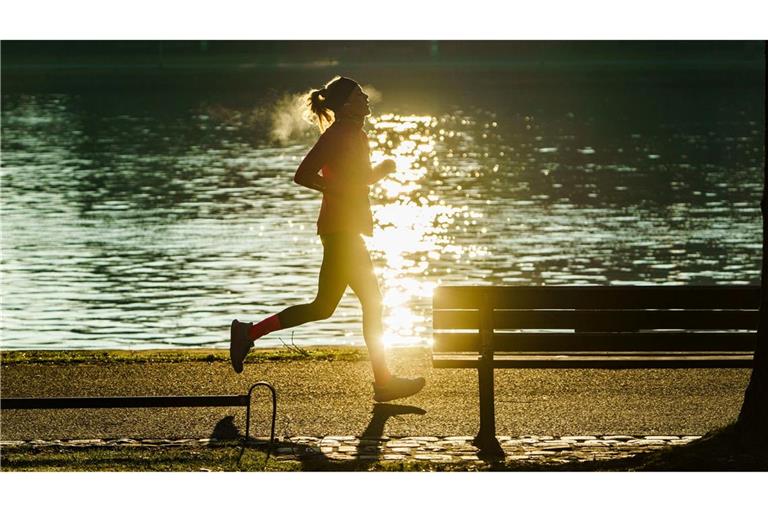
[{"x": 266, "y": 326}]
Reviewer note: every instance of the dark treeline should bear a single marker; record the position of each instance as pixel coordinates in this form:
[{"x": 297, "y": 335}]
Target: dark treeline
[
  {"x": 16, "y": 53},
  {"x": 177, "y": 65}
]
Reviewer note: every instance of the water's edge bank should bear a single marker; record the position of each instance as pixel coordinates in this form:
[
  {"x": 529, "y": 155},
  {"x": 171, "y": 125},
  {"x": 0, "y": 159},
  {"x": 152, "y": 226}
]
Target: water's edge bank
[{"x": 312, "y": 353}]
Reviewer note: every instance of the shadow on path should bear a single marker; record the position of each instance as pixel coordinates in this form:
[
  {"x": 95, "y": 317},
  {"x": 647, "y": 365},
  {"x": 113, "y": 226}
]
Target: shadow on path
[
  {"x": 225, "y": 430},
  {"x": 367, "y": 453},
  {"x": 371, "y": 442}
]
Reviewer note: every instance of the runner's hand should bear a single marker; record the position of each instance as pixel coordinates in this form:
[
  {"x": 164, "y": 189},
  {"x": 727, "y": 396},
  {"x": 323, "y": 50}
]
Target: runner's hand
[{"x": 388, "y": 166}]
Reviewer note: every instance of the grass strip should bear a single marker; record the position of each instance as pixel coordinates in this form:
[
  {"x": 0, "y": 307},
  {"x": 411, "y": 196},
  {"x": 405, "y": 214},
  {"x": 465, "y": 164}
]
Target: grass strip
[{"x": 16, "y": 357}]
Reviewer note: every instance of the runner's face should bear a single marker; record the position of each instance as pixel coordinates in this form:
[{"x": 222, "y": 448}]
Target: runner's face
[{"x": 357, "y": 104}]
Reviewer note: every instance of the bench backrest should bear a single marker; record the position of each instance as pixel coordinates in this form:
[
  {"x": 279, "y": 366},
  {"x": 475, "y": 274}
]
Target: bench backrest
[{"x": 595, "y": 318}]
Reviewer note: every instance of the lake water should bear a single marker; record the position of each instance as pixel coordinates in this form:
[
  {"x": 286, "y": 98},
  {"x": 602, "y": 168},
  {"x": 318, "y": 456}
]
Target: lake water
[{"x": 152, "y": 219}]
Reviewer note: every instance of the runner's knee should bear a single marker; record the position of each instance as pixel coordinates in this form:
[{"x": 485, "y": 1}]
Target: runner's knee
[{"x": 322, "y": 309}]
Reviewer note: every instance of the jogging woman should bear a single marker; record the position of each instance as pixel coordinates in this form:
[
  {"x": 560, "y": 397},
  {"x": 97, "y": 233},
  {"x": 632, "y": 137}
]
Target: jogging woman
[{"x": 339, "y": 166}]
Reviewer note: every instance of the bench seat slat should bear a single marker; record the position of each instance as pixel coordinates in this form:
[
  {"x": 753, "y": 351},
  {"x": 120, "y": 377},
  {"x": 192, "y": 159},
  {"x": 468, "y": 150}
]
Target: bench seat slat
[
  {"x": 124, "y": 402},
  {"x": 600, "y": 320},
  {"x": 598, "y": 297},
  {"x": 570, "y": 342},
  {"x": 605, "y": 361}
]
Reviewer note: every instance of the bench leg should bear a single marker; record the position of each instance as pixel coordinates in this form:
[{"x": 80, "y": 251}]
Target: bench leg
[{"x": 486, "y": 438}]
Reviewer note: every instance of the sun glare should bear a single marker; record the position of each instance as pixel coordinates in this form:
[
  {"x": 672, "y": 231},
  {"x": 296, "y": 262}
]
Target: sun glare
[{"x": 412, "y": 223}]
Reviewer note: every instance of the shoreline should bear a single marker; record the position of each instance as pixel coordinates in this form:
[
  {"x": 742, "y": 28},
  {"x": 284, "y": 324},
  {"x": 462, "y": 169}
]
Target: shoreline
[{"x": 256, "y": 355}]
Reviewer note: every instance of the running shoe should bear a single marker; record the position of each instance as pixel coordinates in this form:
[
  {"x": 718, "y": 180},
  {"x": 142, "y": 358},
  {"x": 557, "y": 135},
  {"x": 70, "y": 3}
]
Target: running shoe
[
  {"x": 239, "y": 343},
  {"x": 397, "y": 387}
]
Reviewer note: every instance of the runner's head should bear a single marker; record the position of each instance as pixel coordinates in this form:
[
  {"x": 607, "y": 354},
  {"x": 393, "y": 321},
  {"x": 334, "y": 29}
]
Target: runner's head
[{"x": 341, "y": 97}]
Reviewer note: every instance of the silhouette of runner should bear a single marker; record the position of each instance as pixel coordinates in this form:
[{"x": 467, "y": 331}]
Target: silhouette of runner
[{"x": 339, "y": 166}]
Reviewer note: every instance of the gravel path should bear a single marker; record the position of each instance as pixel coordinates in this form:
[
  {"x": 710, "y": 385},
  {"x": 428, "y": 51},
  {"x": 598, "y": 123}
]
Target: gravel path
[{"x": 322, "y": 398}]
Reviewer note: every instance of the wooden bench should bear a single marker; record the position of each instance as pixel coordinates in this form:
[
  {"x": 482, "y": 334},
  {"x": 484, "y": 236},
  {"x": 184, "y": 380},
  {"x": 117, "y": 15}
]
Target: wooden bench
[
  {"x": 488, "y": 327},
  {"x": 109, "y": 402}
]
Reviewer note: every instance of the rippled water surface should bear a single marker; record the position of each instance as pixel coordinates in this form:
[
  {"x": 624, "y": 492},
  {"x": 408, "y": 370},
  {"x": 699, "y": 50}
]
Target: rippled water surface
[{"x": 152, "y": 220}]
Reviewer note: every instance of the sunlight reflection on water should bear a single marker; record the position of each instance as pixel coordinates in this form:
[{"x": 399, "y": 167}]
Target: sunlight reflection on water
[{"x": 132, "y": 228}]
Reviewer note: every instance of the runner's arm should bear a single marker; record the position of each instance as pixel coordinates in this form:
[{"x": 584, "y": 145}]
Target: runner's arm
[
  {"x": 382, "y": 170},
  {"x": 308, "y": 173}
]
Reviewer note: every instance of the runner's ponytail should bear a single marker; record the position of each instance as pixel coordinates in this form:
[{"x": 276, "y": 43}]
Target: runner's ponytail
[{"x": 316, "y": 102}]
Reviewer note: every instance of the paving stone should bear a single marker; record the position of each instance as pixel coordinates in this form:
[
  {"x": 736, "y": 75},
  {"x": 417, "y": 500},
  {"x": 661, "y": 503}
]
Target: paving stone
[
  {"x": 549, "y": 445},
  {"x": 602, "y": 456},
  {"x": 341, "y": 456},
  {"x": 402, "y": 450},
  {"x": 618, "y": 438},
  {"x": 326, "y": 449},
  {"x": 421, "y": 439},
  {"x": 579, "y": 438},
  {"x": 467, "y": 439},
  {"x": 340, "y": 438},
  {"x": 469, "y": 457},
  {"x": 400, "y": 444},
  {"x": 433, "y": 457},
  {"x": 692, "y": 438},
  {"x": 540, "y": 452},
  {"x": 622, "y": 455},
  {"x": 329, "y": 442},
  {"x": 645, "y": 442},
  {"x": 347, "y": 449},
  {"x": 393, "y": 456},
  {"x": 464, "y": 449},
  {"x": 371, "y": 442},
  {"x": 663, "y": 438},
  {"x": 304, "y": 439}
]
